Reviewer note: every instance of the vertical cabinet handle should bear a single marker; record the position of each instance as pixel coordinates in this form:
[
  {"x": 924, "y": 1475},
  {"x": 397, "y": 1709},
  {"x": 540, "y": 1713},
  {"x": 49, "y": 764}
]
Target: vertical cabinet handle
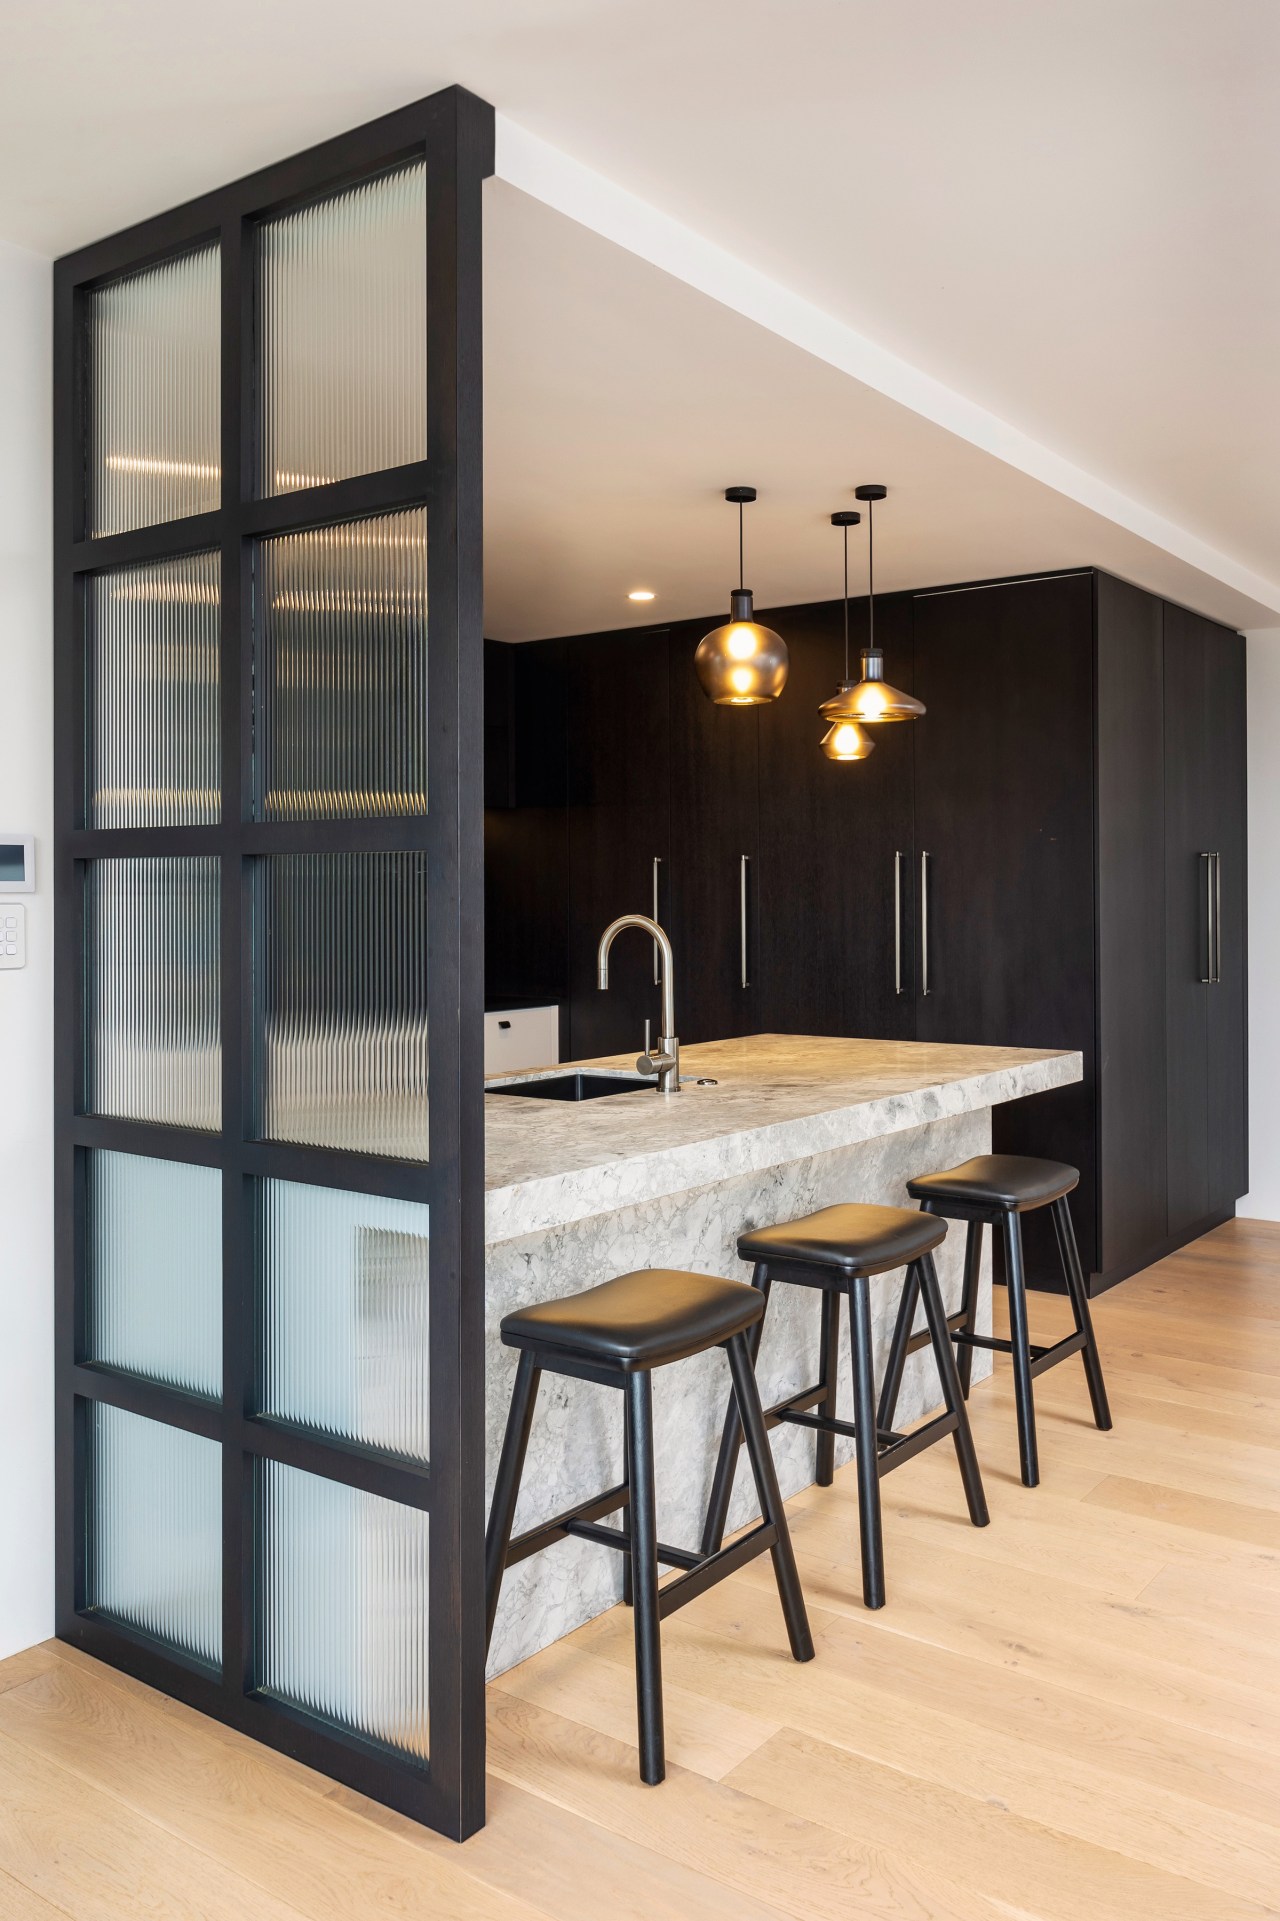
[
  {"x": 743, "y": 866},
  {"x": 1206, "y": 979},
  {"x": 1217, "y": 918},
  {"x": 657, "y": 951},
  {"x": 924, "y": 923},
  {"x": 897, "y": 923}
]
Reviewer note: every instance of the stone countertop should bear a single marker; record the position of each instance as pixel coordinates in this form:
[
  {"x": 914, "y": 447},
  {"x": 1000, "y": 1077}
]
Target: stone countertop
[{"x": 778, "y": 1097}]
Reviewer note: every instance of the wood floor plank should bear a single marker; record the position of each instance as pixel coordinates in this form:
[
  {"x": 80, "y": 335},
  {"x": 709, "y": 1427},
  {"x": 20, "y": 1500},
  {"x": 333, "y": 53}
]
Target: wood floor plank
[
  {"x": 1000, "y": 1853},
  {"x": 1207, "y": 1514},
  {"x": 20, "y": 1904}
]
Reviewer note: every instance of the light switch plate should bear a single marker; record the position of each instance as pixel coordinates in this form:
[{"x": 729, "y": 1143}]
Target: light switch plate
[{"x": 13, "y": 934}]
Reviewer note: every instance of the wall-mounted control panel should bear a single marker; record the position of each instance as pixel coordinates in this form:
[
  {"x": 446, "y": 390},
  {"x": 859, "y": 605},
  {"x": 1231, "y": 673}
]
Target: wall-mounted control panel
[
  {"x": 17, "y": 863},
  {"x": 13, "y": 934}
]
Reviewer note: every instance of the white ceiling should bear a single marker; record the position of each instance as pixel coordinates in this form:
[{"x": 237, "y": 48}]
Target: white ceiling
[
  {"x": 619, "y": 404},
  {"x": 1067, "y": 210}
]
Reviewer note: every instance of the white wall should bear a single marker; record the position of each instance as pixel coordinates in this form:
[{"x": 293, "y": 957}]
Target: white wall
[
  {"x": 1263, "y": 1199},
  {"x": 26, "y": 998}
]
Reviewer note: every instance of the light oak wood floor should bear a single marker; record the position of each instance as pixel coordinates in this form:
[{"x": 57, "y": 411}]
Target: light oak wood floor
[{"x": 1072, "y": 1715}]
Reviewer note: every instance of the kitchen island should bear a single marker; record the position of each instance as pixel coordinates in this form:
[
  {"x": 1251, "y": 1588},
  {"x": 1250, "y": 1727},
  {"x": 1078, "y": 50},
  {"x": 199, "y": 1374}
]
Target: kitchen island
[{"x": 579, "y": 1192}]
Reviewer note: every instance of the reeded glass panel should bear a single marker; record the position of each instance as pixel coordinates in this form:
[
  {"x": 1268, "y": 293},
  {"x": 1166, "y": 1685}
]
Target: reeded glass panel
[
  {"x": 344, "y": 1315},
  {"x": 343, "y": 1043},
  {"x": 342, "y": 327},
  {"x": 340, "y": 616},
  {"x": 155, "y": 1270},
  {"x": 152, "y": 694},
  {"x": 152, "y": 1015},
  {"x": 155, "y": 1530},
  {"x": 155, "y": 395},
  {"x": 344, "y": 1606}
]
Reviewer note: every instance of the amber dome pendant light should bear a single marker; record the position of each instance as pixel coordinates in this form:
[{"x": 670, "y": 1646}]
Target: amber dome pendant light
[
  {"x": 844, "y": 739},
  {"x": 741, "y": 664},
  {"x": 872, "y": 700}
]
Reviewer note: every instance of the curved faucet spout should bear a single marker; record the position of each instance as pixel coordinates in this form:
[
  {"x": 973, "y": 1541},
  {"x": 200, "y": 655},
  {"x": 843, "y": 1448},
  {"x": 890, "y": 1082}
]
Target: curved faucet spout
[{"x": 667, "y": 1062}]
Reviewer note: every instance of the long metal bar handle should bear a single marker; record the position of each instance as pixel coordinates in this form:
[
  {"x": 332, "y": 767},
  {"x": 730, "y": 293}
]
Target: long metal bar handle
[
  {"x": 897, "y": 923},
  {"x": 1217, "y": 919},
  {"x": 657, "y": 951},
  {"x": 924, "y": 923},
  {"x": 1206, "y": 979},
  {"x": 743, "y": 866}
]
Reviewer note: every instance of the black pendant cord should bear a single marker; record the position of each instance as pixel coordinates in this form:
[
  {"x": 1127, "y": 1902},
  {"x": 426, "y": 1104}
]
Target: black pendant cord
[
  {"x": 846, "y": 604},
  {"x": 871, "y": 577},
  {"x": 742, "y": 573}
]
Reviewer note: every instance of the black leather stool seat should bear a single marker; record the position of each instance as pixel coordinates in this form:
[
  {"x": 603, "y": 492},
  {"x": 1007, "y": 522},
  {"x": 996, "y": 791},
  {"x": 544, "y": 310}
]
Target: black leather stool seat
[
  {"x": 1012, "y": 1181},
  {"x": 852, "y": 1239},
  {"x": 640, "y": 1320}
]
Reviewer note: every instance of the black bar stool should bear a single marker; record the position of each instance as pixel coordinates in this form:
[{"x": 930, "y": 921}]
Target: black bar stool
[
  {"x": 616, "y": 1334},
  {"x": 997, "y": 1189},
  {"x": 839, "y": 1250}
]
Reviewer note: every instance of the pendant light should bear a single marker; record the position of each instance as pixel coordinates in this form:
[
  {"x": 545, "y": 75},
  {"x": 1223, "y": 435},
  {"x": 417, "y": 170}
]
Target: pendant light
[
  {"x": 872, "y": 699},
  {"x": 741, "y": 664},
  {"x": 844, "y": 739}
]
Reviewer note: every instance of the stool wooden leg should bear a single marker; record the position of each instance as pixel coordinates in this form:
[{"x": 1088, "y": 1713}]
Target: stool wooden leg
[
  {"x": 864, "y": 1420},
  {"x": 969, "y": 1303},
  {"x": 731, "y": 1438},
  {"x": 771, "y": 1507},
  {"x": 1080, "y": 1304},
  {"x": 828, "y": 1375},
  {"x": 515, "y": 1443},
  {"x": 644, "y": 1578},
  {"x": 1015, "y": 1280},
  {"x": 948, "y": 1374},
  {"x": 626, "y": 1478},
  {"x": 891, "y": 1386}
]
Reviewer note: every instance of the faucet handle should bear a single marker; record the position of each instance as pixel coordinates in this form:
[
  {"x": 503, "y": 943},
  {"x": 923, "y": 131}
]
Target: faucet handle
[{"x": 645, "y": 1064}]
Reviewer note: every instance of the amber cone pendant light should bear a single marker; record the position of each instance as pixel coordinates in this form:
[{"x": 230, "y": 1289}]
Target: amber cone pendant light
[
  {"x": 844, "y": 739},
  {"x": 741, "y": 664},
  {"x": 871, "y": 699}
]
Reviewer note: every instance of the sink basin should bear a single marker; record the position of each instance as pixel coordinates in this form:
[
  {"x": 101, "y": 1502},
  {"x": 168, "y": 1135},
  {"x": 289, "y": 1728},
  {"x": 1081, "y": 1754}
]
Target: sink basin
[{"x": 574, "y": 1087}]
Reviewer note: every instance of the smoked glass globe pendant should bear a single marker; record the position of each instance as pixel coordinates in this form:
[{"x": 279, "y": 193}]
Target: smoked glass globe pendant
[{"x": 741, "y": 664}]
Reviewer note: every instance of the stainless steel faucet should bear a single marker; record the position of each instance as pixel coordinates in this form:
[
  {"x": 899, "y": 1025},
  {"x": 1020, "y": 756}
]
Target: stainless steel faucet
[{"x": 666, "y": 1062}]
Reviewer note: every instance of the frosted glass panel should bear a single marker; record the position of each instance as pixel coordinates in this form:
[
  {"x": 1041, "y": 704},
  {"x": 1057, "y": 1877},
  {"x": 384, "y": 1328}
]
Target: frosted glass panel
[
  {"x": 155, "y": 1270},
  {"x": 155, "y": 395},
  {"x": 344, "y": 1315},
  {"x": 344, "y": 1606},
  {"x": 343, "y": 1049},
  {"x": 342, "y": 327},
  {"x": 151, "y": 995},
  {"x": 155, "y": 1535},
  {"x": 341, "y": 627},
  {"x": 152, "y": 694}
]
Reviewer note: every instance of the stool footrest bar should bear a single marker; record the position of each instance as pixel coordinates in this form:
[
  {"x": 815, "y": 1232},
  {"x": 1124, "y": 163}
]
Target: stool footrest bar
[
  {"x": 711, "y": 1568},
  {"x": 922, "y": 1337},
  {"x": 557, "y": 1529},
  {"x": 615, "y": 1537},
  {"x": 1045, "y": 1357}
]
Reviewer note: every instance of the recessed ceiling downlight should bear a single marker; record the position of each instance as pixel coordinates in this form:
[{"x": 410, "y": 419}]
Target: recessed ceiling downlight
[{"x": 641, "y": 593}]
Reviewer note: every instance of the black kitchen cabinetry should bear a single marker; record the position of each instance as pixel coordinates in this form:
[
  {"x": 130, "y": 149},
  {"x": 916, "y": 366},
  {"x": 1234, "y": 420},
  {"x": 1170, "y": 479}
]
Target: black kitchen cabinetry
[{"x": 1054, "y": 856}]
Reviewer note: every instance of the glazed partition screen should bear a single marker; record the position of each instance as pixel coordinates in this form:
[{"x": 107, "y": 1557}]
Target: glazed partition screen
[{"x": 270, "y": 1084}]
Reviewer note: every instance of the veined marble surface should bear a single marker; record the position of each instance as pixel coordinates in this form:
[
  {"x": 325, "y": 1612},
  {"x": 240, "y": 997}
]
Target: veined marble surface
[
  {"x": 579, "y": 1193},
  {"x": 779, "y": 1097}
]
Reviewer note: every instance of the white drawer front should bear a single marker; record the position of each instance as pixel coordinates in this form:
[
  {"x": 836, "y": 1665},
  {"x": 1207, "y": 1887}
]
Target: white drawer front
[{"x": 521, "y": 1037}]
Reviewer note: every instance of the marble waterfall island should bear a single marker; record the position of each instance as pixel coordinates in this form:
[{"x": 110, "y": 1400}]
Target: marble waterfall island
[{"x": 579, "y": 1192}]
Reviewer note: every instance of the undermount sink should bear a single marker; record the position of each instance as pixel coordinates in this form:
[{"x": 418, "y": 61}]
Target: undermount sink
[{"x": 574, "y": 1087}]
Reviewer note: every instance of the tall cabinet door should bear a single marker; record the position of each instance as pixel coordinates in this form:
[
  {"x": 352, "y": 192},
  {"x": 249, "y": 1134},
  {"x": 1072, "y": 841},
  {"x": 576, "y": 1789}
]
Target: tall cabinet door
[
  {"x": 715, "y": 855},
  {"x": 1005, "y": 851},
  {"x": 1188, "y": 924},
  {"x": 619, "y": 817},
  {"x": 1205, "y": 880},
  {"x": 1227, "y": 997},
  {"x": 836, "y": 934}
]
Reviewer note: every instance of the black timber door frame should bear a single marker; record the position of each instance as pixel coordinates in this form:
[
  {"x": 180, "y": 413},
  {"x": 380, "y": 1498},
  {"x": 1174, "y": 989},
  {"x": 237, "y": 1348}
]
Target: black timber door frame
[{"x": 452, "y": 132}]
